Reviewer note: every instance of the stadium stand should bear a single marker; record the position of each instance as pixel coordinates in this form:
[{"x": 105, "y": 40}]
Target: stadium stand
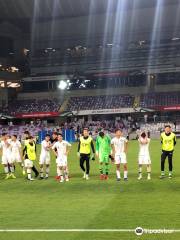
[
  {"x": 94, "y": 103},
  {"x": 156, "y": 128},
  {"x": 100, "y": 102},
  {"x": 160, "y": 99},
  {"x": 20, "y": 129},
  {"x": 94, "y": 127},
  {"x": 166, "y": 78},
  {"x": 33, "y": 105}
]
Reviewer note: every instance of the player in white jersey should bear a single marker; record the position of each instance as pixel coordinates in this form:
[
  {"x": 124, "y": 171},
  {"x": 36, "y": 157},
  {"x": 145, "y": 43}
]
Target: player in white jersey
[
  {"x": 119, "y": 150},
  {"x": 62, "y": 148},
  {"x": 45, "y": 157},
  {"x": 144, "y": 156},
  {"x": 53, "y": 140},
  {"x": 6, "y": 156},
  {"x": 16, "y": 152}
]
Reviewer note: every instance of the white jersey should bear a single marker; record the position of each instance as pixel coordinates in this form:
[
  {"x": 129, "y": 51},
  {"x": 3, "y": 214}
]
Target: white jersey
[
  {"x": 144, "y": 148},
  {"x": 45, "y": 157},
  {"x": 144, "y": 156},
  {"x": 45, "y": 147},
  {"x": 61, "y": 147},
  {"x": 6, "y": 147},
  {"x": 119, "y": 144},
  {"x": 15, "y": 147}
]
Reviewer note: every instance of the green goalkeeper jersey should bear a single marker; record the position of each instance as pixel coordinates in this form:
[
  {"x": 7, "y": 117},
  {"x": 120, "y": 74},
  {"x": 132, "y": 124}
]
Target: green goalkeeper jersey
[{"x": 103, "y": 145}]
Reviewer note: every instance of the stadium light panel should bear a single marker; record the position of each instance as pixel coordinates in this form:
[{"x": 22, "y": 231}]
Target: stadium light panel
[
  {"x": 175, "y": 38},
  {"x": 62, "y": 85}
]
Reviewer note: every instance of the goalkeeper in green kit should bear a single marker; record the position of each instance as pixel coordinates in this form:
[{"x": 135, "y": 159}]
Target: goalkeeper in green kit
[{"x": 103, "y": 151}]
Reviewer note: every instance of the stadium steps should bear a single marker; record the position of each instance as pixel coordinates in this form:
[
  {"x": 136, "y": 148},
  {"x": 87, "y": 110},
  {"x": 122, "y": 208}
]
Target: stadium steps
[
  {"x": 64, "y": 105},
  {"x": 136, "y": 101}
]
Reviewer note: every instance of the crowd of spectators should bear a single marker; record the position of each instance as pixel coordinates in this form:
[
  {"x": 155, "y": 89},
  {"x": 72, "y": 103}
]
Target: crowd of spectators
[
  {"x": 94, "y": 126},
  {"x": 81, "y": 103},
  {"x": 100, "y": 102},
  {"x": 160, "y": 99},
  {"x": 32, "y": 105},
  {"x": 168, "y": 78},
  {"x": 128, "y": 124}
]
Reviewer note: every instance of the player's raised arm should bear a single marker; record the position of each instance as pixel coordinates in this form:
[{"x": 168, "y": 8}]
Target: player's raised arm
[
  {"x": 126, "y": 146},
  {"x": 143, "y": 138}
]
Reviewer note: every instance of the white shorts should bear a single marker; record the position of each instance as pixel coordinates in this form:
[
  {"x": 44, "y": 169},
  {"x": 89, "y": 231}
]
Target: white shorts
[
  {"x": 120, "y": 158},
  {"x": 45, "y": 159},
  {"x": 16, "y": 158},
  {"x": 144, "y": 159},
  {"x": 28, "y": 163},
  {"x": 6, "y": 159},
  {"x": 61, "y": 161}
]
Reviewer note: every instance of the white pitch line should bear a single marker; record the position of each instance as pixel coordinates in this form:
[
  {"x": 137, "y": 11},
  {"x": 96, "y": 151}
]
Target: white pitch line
[
  {"x": 67, "y": 230},
  {"x": 145, "y": 231}
]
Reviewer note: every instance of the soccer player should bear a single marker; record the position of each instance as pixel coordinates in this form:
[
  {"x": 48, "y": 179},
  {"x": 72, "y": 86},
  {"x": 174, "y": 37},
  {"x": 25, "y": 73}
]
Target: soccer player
[
  {"x": 168, "y": 141},
  {"x": 30, "y": 156},
  {"x": 16, "y": 152},
  {"x": 45, "y": 157},
  {"x": 6, "y": 156},
  {"x": 8, "y": 137},
  {"x": 84, "y": 151},
  {"x": 53, "y": 140},
  {"x": 103, "y": 151},
  {"x": 144, "y": 156},
  {"x": 61, "y": 149},
  {"x": 119, "y": 149},
  {"x": 26, "y": 141},
  {"x": 26, "y": 135}
]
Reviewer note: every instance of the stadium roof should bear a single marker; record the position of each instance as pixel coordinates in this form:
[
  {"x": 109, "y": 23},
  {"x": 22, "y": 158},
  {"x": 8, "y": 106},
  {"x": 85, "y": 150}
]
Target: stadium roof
[{"x": 21, "y": 12}]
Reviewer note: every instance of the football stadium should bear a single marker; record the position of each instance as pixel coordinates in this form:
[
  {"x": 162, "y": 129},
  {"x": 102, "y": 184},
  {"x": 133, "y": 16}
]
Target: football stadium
[{"x": 89, "y": 119}]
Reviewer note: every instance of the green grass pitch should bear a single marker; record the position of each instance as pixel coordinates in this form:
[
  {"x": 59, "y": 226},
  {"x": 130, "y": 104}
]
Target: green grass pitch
[{"x": 93, "y": 204}]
